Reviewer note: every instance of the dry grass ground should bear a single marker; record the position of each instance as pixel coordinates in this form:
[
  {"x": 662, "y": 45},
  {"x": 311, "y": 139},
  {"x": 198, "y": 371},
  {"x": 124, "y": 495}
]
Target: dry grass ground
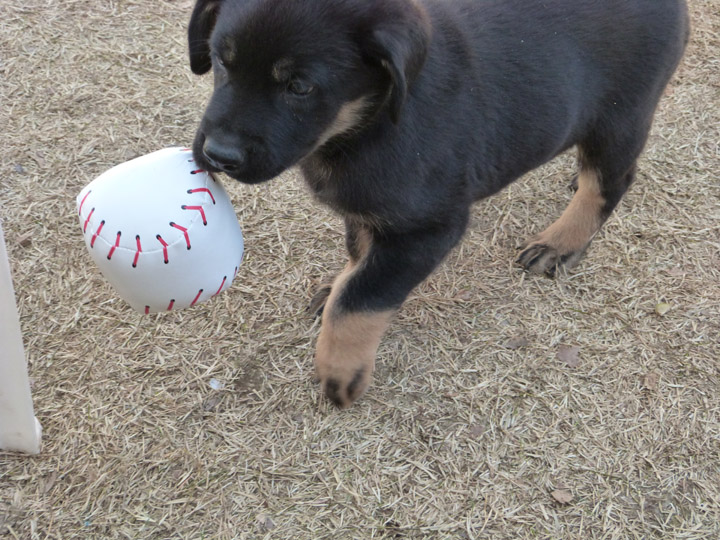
[{"x": 464, "y": 435}]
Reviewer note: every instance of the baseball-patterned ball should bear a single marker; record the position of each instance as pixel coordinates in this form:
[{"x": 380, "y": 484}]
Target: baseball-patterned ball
[{"x": 162, "y": 231}]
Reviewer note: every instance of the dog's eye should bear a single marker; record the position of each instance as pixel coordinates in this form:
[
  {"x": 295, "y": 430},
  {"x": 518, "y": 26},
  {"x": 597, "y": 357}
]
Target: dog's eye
[{"x": 299, "y": 88}]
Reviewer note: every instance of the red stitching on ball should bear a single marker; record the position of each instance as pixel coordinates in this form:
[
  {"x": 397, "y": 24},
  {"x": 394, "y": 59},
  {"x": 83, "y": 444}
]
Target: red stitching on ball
[
  {"x": 165, "y": 246},
  {"x": 221, "y": 286},
  {"x": 196, "y": 298},
  {"x": 235, "y": 274},
  {"x": 186, "y": 149},
  {"x": 112, "y": 249},
  {"x": 184, "y": 231},
  {"x": 202, "y": 190},
  {"x": 171, "y": 305},
  {"x": 196, "y": 171},
  {"x": 198, "y": 208},
  {"x": 92, "y": 242},
  {"x": 88, "y": 219},
  {"x": 83, "y": 202},
  {"x": 137, "y": 253}
]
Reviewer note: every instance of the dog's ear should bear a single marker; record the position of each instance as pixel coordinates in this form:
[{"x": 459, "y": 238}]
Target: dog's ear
[
  {"x": 399, "y": 42},
  {"x": 202, "y": 22}
]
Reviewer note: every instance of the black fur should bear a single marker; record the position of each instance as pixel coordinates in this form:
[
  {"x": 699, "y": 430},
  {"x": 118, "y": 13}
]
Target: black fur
[{"x": 461, "y": 98}]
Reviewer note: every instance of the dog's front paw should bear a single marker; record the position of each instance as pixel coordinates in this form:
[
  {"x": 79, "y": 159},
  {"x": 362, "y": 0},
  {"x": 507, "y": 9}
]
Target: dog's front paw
[
  {"x": 345, "y": 355},
  {"x": 343, "y": 383}
]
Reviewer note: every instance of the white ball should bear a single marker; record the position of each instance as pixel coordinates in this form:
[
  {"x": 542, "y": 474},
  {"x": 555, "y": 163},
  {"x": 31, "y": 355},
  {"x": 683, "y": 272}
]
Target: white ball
[{"x": 162, "y": 232}]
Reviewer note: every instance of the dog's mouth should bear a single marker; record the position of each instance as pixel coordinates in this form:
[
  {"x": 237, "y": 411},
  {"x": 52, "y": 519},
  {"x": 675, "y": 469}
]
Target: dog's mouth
[
  {"x": 257, "y": 178},
  {"x": 257, "y": 166},
  {"x": 249, "y": 170}
]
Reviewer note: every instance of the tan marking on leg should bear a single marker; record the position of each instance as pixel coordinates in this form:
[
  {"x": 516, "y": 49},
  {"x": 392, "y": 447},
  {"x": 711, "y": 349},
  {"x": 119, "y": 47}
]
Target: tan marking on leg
[
  {"x": 363, "y": 243},
  {"x": 564, "y": 242},
  {"x": 348, "y": 117},
  {"x": 320, "y": 295},
  {"x": 367, "y": 220},
  {"x": 346, "y": 347},
  {"x": 321, "y": 298},
  {"x": 581, "y": 220}
]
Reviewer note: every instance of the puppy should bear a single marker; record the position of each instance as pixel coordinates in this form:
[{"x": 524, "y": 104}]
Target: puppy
[{"x": 402, "y": 113}]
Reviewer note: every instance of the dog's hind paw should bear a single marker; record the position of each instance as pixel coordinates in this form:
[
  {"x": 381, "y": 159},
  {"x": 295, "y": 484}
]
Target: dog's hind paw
[{"x": 540, "y": 258}]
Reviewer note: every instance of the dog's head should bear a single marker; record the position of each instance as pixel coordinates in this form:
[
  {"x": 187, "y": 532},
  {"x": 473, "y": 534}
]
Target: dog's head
[{"x": 291, "y": 75}]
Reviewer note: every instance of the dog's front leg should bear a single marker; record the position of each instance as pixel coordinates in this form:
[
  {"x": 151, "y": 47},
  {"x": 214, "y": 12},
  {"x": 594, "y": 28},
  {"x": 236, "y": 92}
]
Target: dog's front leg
[
  {"x": 364, "y": 298},
  {"x": 358, "y": 239}
]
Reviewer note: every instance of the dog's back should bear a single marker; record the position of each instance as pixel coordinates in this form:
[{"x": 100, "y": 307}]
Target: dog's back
[{"x": 529, "y": 79}]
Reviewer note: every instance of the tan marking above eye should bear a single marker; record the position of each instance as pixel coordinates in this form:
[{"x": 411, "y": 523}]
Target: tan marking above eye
[
  {"x": 281, "y": 70},
  {"x": 226, "y": 53}
]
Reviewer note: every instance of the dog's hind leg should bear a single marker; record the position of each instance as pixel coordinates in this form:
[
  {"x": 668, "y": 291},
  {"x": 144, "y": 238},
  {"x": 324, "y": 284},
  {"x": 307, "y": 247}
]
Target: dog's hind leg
[{"x": 607, "y": 168}]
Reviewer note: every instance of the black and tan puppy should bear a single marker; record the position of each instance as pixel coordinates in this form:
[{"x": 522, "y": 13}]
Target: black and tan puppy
[{"x": 402, "y": 113}]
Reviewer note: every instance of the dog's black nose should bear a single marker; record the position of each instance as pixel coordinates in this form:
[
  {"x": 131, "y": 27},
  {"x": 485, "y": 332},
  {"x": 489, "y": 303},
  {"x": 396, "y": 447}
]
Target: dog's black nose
[{"x": 228, "y": 159}]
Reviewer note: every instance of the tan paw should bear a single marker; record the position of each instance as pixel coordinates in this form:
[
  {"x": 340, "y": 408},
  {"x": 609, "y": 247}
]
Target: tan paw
[{"x": 345, "y": 355}]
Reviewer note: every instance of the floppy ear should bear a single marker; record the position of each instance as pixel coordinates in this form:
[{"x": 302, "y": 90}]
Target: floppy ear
[
  {"x": 202, "y": 22},
  {"x": 400, "y": 43}
]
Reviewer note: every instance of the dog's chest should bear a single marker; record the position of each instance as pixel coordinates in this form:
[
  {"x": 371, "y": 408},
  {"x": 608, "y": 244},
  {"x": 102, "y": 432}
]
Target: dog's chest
[
  {"x": 318, "y": 175},
  {"x": 337, "y": 188},
  {"x": 327, "y": 190}
]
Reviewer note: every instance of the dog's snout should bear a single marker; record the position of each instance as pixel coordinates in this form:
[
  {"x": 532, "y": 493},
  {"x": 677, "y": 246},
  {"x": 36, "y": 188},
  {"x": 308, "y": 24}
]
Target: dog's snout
[{"x": 229, "y": 159}]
